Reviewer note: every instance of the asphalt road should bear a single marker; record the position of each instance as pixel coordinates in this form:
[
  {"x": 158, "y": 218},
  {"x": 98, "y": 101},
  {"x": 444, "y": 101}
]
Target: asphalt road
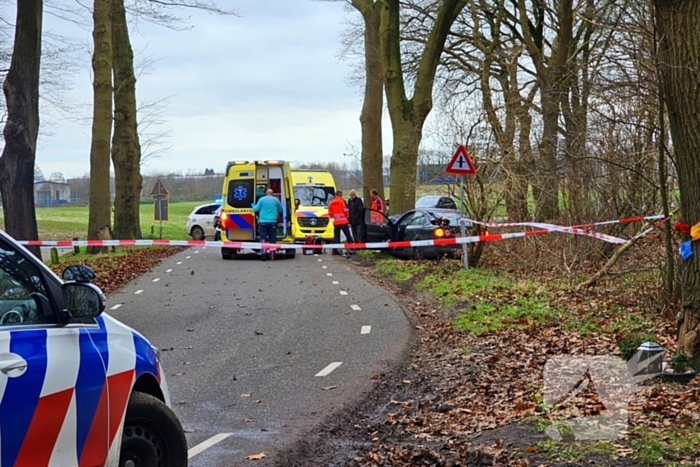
[{"x": 256, "y": 354}]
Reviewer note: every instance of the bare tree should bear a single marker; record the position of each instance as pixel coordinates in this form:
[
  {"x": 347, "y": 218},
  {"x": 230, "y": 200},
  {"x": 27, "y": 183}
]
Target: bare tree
[
  {"x": 679, "y": 59},
  {"x": 21, "y": 130},
  {"x": 371, "y": 116},
  {"x": 100, "y": 201},
  {"x": 408, "y": 114},
  {"x": 126, "y": 148}
]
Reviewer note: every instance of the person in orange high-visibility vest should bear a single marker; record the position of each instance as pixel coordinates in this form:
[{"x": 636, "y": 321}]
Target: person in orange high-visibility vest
[
  {"x": 377, "y": 205},
  {"x": 338, "y": 211}
]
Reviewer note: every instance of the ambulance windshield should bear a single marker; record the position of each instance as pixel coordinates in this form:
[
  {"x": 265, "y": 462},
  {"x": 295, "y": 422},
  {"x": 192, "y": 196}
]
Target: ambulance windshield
[{"x": 314, "y": 195}]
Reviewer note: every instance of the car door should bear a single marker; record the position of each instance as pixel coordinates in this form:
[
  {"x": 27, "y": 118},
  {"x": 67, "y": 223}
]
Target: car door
[
  {"x": 207, "y": 219},
  {"x": 52, "y": 403},
  {"x": 377, "y": 227},
  {"x": 407, "y": 229},
  {"x": 415, "y": 227}
]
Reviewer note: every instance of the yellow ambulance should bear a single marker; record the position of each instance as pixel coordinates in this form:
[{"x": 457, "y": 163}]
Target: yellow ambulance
[
  {"x": 313, "y": 190},
  {"x": 244, "y": 183}
]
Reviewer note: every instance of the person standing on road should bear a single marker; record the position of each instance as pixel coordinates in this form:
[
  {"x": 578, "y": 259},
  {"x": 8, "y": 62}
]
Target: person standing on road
[
  {"x": 267, "y": 208},
  {"x": 356, "y": 208},
  {"x": 377, "y": 205},
  {"x": 338, "y": 211}
]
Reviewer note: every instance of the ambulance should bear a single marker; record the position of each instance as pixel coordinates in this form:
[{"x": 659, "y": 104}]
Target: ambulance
[
  {"x": 244, "y": 183},
  {"x": 77, "y": 387},
  {"x": 313, "y": 190}
]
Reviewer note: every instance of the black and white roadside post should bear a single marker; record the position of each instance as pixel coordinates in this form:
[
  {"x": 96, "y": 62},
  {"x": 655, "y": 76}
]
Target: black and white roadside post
[
  {"x": 462, "y": 222},
  {"x": 462, "y": 165},
  {"x": 161, "y": 197}
]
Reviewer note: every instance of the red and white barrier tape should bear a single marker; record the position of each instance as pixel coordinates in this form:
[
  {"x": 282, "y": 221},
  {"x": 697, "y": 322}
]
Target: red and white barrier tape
[
  {"x": 575, "y": 230},
  {"x": 626, "y": 220},
  {"x": 297, "y": 246},
  {"x": 543, "y": 229}
]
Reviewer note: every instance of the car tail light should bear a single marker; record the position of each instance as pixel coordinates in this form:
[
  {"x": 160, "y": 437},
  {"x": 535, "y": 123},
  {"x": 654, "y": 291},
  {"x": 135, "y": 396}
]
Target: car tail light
[{"x": 439, "y": 232}]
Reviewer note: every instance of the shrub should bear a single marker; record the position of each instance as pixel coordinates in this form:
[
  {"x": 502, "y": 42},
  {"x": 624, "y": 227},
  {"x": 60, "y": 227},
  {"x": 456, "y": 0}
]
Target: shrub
[{"x": 628, "y": 345}]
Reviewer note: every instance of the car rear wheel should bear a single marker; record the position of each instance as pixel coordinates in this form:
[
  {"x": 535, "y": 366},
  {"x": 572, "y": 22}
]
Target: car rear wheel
[
  {"x": 226, "y": 253},
  {"x": 290, "y": 253},
  {"x": 197, "y": 233},
  {"x": 152, "y": 436},
  {"x": 419, "y": 252}
]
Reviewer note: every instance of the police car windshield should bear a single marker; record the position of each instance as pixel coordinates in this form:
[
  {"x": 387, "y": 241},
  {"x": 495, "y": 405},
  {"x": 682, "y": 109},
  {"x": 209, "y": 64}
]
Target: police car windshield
[{"x": 314, "y": 195}]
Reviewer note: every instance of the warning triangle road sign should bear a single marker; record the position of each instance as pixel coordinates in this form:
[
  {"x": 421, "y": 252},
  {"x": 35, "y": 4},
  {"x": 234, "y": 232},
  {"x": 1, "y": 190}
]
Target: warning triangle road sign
[{"x": 461, "y": 164}]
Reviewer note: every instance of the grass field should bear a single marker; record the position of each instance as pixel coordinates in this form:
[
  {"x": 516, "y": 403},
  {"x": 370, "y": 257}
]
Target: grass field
[{"x": 67, "y": 222}]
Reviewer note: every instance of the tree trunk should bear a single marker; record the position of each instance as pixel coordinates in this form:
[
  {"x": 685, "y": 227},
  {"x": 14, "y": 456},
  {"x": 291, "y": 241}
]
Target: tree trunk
[
  {"x": 678, "y": 27},
  {"x": 100, "y": 206},
  {"x": 21, "y": 89},
  {"x": 126, "y": 150},
  {"x": 408, "y": 115},
  {"x": 371, "y": 116}
]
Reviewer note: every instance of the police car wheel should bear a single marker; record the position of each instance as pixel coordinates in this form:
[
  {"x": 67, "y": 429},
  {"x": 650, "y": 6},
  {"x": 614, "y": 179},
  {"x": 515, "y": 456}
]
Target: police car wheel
[
  {"x": 197, "y": 233},
  {"x": 153, "y": 436}
]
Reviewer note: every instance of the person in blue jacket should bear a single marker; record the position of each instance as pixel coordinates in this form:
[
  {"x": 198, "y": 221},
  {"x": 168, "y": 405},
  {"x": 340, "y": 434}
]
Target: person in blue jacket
[{"x": 267, "y": 208}]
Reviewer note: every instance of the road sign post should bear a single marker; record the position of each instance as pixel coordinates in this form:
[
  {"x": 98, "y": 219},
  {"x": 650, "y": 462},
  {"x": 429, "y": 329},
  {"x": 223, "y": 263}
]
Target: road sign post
[
  {"x": 461, "y": 165},
  {"x": 161, "y": 197}
]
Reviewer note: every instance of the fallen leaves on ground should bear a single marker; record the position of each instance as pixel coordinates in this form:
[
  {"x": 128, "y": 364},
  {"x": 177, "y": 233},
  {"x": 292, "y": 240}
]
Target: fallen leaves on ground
[
  {"x": 114, "y": 271},
  {"x": 464, "y": 390}
]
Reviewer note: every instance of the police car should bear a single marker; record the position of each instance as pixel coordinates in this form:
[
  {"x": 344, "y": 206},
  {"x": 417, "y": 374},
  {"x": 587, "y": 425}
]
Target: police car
[{"x": 77, "y": 387}]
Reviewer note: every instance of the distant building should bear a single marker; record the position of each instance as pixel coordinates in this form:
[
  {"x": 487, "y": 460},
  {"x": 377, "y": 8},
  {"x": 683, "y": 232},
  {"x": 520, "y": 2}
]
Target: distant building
[{"x": 47, "y": 193}]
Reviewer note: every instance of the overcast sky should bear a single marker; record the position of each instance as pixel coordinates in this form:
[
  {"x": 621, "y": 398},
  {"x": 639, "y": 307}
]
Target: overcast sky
[{"x": 266, "y": 85}]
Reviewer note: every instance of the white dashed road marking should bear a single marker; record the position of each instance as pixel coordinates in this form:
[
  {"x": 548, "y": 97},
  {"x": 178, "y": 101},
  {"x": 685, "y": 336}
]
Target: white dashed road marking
[
  {"x": 187, "y": 257},
  {"x": 324, "y": 267},
  {"x": 179, "y": 262},
  {"x": 329, "y": 273},
  {"x": 365, "y": 329},
  {"x": 197, "y": 251},
  {"x": 116, "y": 306},
  {"x": 336, "y": 282},
  {"x": 156, "y": 279},
  {"x": 320, "y": 259},
  {"x": 327, "y": 370},
  {"x": 355, "y": 307},
  {"x": 138, "y": 292},
  {"x": 343, "y": 292},
  {"x": 207, "y": 444},
  {"x": 169, "y": 270}
]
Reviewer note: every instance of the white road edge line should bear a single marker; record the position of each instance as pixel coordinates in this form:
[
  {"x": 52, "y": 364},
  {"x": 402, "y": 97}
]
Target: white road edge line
[
  {"x": 138, "y": 292},
  {"x": 118, "y": 305},
  {"x": 207, "y": 444},
  {"x": 355, "y": 307},
  {"x": 336, "y": 282},
  {"x": 327, "y": 370},
  {"x": 365, "y": 329},
  {"x": 156, "y": 279},
  {"x": 343, "y": 292},
  {"x": 169, "y": 270}
]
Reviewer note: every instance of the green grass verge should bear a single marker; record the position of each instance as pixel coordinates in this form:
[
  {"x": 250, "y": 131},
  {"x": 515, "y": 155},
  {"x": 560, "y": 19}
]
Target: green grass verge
[
  {"x": 649, "y": 447},
  {"x": 491, "y": 301},
  {"x": 67, "y": 222},
  {"x": 400, "y": 270}
]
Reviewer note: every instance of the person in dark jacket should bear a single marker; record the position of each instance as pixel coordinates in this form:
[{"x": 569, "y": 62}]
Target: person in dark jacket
[{"x": 356, "y": 208}]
